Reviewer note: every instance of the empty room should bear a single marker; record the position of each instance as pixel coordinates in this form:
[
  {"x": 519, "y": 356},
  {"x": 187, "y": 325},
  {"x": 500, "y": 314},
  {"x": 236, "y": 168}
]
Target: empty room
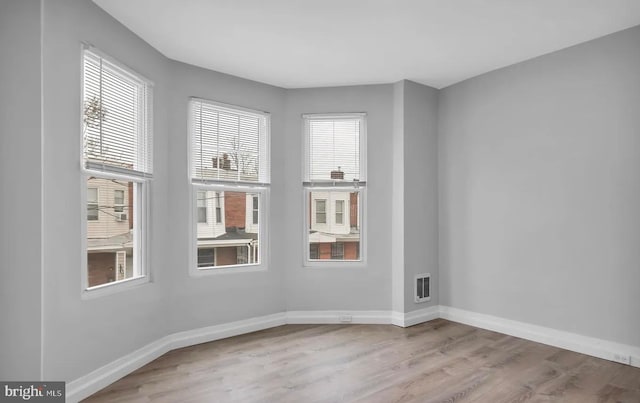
[{"x": 320, "y": 201}]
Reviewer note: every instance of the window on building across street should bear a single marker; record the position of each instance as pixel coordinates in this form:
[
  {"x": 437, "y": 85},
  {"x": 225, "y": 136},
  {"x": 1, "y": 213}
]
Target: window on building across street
[
  {"x": 117, "y": 167},
  {"x": 92, "y": 204},
  {"x": 339, "y": 211},
  {"x": 230, "y": 166},
  {"x": 206, "y": 257},
  {"x": 218, "y": 208},
  {"x": 255, "y": 210},
  {"x": 337, "y": 250},
  {"x": 118, "y": 200},
  {"x": 201, "y": 205},
  {"x": 314, "y": 251},
  {"x": 321, "y": 211},
  {"x": 334, "y": 185}
]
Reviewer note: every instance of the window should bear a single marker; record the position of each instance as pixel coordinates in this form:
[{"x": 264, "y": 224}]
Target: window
[
  {"x": 230, "y": 158},
  {"x": 255, "y": 210},
  {"x": 202, "y": 207},
  {"x": 118, "y": 201},
  {"x": 206, "y": 257},
  {"x": 334, "y": 185},
  {"x": 337, "y": 250},
  {"x": 339, "y": 211},
  {"x": 314, "y": 251},
  {"x": 92, "y": 204},
  {"x": 117, "y": 167},
  {"x": 321, "y": 211},
  {"x": 218, "y": 209},
  {"x": 242, "y": 254}
]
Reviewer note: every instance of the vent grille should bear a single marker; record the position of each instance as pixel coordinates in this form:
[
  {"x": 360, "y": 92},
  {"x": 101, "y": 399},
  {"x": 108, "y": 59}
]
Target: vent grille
[{"x": 423, "y": 287}]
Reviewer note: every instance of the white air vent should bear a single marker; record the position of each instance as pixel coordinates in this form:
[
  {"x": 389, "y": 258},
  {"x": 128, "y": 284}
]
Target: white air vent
[
  {"x": 423, "y": 287},
  {"x": 121, "y": 216}
]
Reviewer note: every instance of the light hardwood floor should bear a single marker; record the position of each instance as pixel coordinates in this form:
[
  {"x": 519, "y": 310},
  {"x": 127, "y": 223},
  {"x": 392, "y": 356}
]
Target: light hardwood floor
[{"x": 438, "y": 361}]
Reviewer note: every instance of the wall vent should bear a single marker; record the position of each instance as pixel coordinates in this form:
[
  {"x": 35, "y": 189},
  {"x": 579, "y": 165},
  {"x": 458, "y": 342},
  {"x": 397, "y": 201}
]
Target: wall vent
[{"x": 423, "y": 287}]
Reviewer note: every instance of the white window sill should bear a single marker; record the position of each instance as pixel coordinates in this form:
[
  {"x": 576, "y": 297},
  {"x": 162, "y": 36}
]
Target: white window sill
[
  {"x": 114, "y": 287},
  {"x": 214, "y": 271},
  {"x": 334, "y": 264}
]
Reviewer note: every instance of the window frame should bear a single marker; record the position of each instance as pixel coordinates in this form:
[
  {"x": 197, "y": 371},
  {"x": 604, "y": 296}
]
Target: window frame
[
  {"x": 331, "y": 185},
  {"x": 261, "y": 188},
  {"x": 142, "y": 179}
]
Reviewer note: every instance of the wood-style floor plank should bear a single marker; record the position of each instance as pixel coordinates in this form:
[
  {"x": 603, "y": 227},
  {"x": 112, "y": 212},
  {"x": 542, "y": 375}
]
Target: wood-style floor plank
[{"x": 437, "y": 361}]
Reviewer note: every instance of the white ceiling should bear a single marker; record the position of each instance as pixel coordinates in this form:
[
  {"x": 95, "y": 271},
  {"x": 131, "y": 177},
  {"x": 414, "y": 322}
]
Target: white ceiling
[{"x": 305, "y": 43}]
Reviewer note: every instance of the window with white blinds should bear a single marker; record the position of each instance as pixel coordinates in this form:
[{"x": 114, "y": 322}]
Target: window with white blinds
[
  {"x": 228, "y": 144},
  {"x": 230, "y": 167},
  {"x": 116, "y": 118},
  {"x": 117, "y": 164},
  {"x": 334, "y": 185},
  {"x": 333, "y": 148}
]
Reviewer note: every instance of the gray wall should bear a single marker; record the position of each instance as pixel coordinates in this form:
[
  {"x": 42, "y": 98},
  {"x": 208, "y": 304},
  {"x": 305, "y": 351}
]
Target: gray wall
[
  {"x": 221, "y": 298},
  {"x": 540, "y": 188},
  {"x": 414, "y": 226},
  {"x": 420, "y": 165},
  {"x": 81, "y": 335},
  {"x": 20, "y": 190},
  {"x": 344, "y": 288}
]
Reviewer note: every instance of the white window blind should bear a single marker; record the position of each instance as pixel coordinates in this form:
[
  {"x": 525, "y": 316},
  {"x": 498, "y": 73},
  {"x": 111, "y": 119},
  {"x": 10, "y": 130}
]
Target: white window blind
[
  {"x": 228, "y": 144},
  {"x": 116, "y": 118},
  {"x": 333, "y": 149}
]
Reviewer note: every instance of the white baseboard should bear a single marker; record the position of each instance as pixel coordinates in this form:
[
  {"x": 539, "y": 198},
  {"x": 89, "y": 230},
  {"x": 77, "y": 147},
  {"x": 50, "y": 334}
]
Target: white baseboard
[
  {"x": 415, "y": 317},
  {"x": 605, "y": 349},
  {"x": 100, "y": 378},
  {"x": 333, "y": 317},
  {"x": 91, "y": 383}
]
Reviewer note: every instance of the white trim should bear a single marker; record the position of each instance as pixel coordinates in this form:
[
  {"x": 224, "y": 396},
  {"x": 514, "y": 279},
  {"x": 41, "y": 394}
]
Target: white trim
[
  {"x": 415, "y": 317},
  {"x": 325, "y": 317},
  {"x": 91, "y": 383},
  {"x": 558, "y": 338}
]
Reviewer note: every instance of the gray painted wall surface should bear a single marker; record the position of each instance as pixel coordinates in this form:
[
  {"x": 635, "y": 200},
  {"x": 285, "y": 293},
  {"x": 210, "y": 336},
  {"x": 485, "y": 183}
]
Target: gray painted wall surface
[
  {"x": 540, "y": 188},
  {"x": 420, "y": 163},
  {"x": 221, "y": 298},
  {"x": 82, "y": 335},
  {"x": 20, "y": 190},
  {"x": 344, "y": 288},
  {"x": 397, "y": 201}
]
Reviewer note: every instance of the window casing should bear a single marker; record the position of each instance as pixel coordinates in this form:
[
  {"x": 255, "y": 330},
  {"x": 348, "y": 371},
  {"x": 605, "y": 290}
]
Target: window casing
[
  {"x": 117, "y": 163},
  {"x": 335, "y": 187},
  {"x": 230, "y": 162}
]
